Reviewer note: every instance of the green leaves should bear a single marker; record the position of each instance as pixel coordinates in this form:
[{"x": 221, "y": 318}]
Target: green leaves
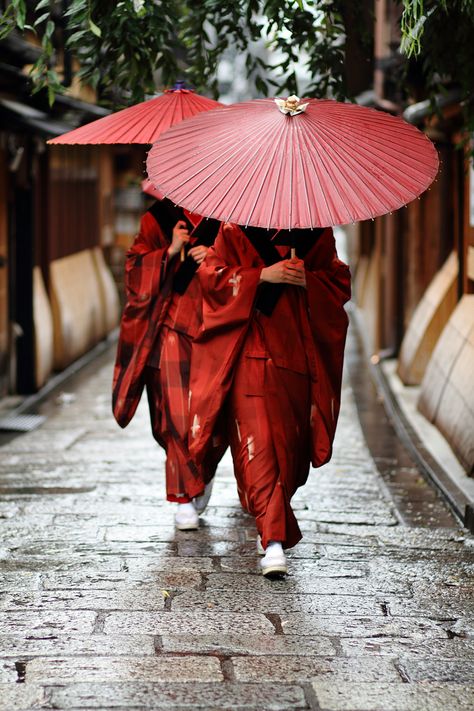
[
  {"x": 94, "y": 29},
  {"x": 19, "y": 6},
  {"x": 437, "y": 39},
  {"x": 412, "y": 26},
  {"x": 138, "y": 45}
]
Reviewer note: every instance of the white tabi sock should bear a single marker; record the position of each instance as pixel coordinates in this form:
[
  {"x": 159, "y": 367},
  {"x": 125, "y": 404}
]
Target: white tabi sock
[
  {"x": 187, "y": 507},
  {"x": 274, "y": 547}
]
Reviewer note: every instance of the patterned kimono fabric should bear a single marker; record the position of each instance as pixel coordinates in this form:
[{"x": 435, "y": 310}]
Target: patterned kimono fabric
[
  {"x": 274, "y": 373},
  {"x": 167, "y": 384},
  {"x": 154, "y": 351}
]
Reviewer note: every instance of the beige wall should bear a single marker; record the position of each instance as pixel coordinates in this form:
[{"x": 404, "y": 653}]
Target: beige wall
[
  {"x": 82, "y": 306},
  {"x": 447, "y": 389},
  {"x": 43, "y": 330},
  {"x": 427, "y": 323}
]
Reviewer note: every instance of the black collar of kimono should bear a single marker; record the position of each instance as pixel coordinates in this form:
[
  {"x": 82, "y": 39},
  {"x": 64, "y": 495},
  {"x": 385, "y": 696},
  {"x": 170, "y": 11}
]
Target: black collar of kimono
[
  {"x": 265, "y": 241},
  {"x": 167, "y": 215},
  {"x": 302, "y": 240},
  {"x": 204, "y": 233}
]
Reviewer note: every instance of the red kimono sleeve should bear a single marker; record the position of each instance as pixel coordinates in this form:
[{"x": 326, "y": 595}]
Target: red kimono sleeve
[
  {"x": 144, "y": 270},
  {"x": 328, "y": 285},
  {"x": 146, "y": 260},
  {"x": 229, "y": 278}
]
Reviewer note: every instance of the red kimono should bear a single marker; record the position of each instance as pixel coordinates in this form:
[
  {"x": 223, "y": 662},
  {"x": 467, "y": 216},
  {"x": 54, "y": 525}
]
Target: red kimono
[
  {"x": 154, "y": 350},
  {"x": 276, "y": 376}
]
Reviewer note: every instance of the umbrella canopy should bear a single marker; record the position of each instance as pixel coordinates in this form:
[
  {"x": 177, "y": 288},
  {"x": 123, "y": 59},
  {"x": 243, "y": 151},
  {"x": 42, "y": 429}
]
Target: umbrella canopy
[
  {"x": 142, "y": 123},
  {"x": 285, "y": 164}
]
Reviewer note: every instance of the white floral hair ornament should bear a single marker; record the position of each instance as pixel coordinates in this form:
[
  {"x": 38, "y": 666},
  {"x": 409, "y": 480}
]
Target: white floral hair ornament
[{"x": 291, "y": 105}]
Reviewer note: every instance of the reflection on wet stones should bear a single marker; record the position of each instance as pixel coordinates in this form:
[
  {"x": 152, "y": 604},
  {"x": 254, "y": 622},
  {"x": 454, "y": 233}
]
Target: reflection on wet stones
[{"x": 104, "y": 605}]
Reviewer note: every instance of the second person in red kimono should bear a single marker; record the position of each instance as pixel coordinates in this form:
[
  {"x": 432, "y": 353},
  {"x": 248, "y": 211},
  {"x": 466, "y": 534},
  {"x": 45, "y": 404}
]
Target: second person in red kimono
[
  {"x": 161, "y": 318},
  {"x": 269, "y": 359}
]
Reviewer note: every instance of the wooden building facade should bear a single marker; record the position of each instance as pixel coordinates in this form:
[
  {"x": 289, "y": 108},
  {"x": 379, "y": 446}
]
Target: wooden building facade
[
  {"x": 57, "y": 295},
  {"x": 414, "y": 269}
]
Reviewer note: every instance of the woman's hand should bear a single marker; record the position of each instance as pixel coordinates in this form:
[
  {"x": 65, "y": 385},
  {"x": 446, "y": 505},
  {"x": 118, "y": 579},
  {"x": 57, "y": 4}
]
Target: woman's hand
[
  {"x": 179, "y": 239},
  {"x": 288, "y": 271},
  {"x": 198, "y": 253}
]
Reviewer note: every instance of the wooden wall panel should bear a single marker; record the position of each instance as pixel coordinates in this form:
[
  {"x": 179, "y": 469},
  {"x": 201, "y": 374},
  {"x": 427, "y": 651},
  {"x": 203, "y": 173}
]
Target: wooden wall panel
[{"x": 4, "y": 321}]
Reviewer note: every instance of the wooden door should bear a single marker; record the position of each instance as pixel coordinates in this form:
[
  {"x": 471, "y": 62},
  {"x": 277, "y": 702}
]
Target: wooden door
[{"x": 4, "y": 321}]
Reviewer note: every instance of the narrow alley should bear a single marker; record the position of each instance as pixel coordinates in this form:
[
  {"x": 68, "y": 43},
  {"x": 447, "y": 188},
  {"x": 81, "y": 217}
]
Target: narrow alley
[{"x": 105, "y": 606}]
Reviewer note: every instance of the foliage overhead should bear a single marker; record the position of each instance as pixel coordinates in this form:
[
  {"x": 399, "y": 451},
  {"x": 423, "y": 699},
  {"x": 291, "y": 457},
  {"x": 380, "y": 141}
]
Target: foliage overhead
[
  {"x": 122, "y": 45},
  {"x": 130, "y": 48},
  {"x": 438, "y": 35}
]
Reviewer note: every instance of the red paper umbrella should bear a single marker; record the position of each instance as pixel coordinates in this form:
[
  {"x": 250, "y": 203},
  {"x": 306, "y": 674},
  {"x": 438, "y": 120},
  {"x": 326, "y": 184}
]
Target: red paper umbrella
[
  {"x": 290, "y": 164},
  {"x": 142, "y": 123}
]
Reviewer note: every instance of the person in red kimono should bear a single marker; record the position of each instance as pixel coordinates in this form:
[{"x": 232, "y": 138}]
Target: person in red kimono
[
  {"x": 161, "y": 317},
  {"x": 269, "y": 358}
]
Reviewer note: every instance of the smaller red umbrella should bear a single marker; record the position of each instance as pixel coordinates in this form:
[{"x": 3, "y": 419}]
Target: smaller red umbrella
[{"x": 142, "y": 123}]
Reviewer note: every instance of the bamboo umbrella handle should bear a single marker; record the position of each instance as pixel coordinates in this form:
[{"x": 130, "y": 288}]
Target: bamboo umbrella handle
[
  {"x": 182, "y": 254},
  {"x": 293, "y": 252}
]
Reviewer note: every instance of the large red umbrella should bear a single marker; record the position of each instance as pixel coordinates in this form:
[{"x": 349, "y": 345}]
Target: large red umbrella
[
  {"x": 288, "y": 164},
  {"x": 142, "y": 123}
]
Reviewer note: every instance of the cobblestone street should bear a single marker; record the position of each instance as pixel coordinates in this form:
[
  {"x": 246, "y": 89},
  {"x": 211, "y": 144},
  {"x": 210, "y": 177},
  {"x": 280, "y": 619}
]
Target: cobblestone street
[{"x": 104, "y": 605}]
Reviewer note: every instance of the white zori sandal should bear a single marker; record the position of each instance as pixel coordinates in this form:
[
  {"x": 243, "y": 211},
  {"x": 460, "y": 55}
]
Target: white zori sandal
[
  {"x": 187, "y": 515},
  {"x": 273, "y": 564},
  {"x": 186, "y": 518}
]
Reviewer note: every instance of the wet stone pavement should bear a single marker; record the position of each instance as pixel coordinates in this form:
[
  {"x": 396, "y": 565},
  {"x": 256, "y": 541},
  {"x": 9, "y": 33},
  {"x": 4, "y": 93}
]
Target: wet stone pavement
[{"x": 103, "y": 605}]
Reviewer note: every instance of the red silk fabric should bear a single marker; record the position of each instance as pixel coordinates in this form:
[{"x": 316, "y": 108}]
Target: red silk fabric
[
  {"x": 154, "y": 350},
  {"x": 286, "y": 367}
]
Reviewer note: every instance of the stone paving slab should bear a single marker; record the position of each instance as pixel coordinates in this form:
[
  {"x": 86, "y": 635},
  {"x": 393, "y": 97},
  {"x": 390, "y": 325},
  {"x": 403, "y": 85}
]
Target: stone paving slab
[
  {"x": 132, "y": 533},
  {"x": 153, "y": 565},
  {"x": 41, "y": 441},
  {"x": 360, "y": 584},
  {"x": 123, "y": 579},
  {"x": 59, "y": 644},
  {"x": 103, "y": 605},
  {"x": 124, "y": 669},
  {"x": 403, "y": 537},
  {"x": 405, "y": 647},
  {"x": 391, "y": 697},
  {"x": 22, "y": 697},
  {"x": 258, "y": 697},
  {"x": 448, "y": 604},
  {"x": 343, "y": 625},
  {"x": 460, "y": 671},
  {"x": 280, "y": 604},
  {"x": 141, "y": 598},
  {"x": 249, "y": 644},
  {"x": 8, "y": 672},
  {"x": 47, "y": 621},
  {"x": 301, "y": 669},
  {"x": 56, "y": 561},
  {"x": 166, "y": 623}
]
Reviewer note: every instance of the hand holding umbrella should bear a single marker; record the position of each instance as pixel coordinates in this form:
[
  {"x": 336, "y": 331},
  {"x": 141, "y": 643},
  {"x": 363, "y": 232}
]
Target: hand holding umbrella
[
  {"x": 179, "y": 239},
  {"x": 288, "y": 271}
]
